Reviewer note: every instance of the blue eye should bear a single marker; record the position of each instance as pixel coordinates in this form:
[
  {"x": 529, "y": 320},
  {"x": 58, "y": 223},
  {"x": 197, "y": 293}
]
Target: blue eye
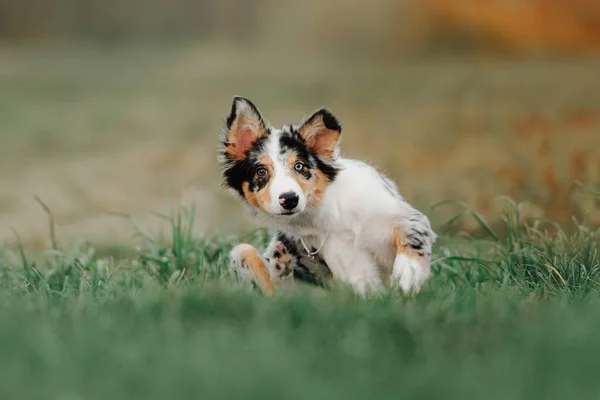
[{"x": 298, "y": 166}]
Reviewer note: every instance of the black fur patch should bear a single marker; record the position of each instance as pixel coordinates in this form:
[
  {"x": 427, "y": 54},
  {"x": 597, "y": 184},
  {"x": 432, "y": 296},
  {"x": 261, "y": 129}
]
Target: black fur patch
[
  {"x": 416, "y": 238},
  {"x": 290, "y": 140},
  {"x": 329, "y": 120},
  {"x": 301, "y": 271},
  {"x": 415, "y": 242},
  {"x": 289, "y": 243},
  {"x": 240, "y": 171},
  {"x": 329, "y": 170},
  {"x": 258, "y": 182}
]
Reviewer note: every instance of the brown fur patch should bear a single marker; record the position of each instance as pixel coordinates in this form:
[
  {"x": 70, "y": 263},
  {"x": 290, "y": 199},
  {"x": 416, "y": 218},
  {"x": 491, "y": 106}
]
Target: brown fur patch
[
  {"x": 252, "y": 258},
  {"x": 314, "y": 188},
  {"x": 399, "y": 242},
  {"x": 261, "y": 198},
  {"x": 321, "y": 183},
  {"x": 267, "y": 162},
  {"x": 250, "y": 195},
  {"x": 318, "y": 137}
]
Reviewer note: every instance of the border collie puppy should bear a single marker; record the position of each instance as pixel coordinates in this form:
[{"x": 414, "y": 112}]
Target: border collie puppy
[{"x": 327, "y": 210}]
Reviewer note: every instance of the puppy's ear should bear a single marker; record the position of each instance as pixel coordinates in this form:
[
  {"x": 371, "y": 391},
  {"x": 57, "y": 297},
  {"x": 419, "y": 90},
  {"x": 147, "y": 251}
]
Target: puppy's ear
[
  {"x": 321, "y": 132},
  {"x": 244, "y": 126}
]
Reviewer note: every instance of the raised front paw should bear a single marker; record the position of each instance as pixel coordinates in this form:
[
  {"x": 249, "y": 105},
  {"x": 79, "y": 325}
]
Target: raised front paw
[{"x": 281, "y": 262}]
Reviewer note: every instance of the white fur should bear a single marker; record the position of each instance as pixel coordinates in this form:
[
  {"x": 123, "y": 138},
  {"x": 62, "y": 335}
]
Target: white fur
[
  {"x": 282, "y": 181},
  {"x": 408, "y": 274},
  {"x": 359, "y": 213}
]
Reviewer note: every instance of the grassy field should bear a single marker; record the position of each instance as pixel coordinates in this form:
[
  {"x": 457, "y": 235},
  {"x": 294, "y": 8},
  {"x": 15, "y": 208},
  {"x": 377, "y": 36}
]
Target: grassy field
[
  {"x": 503, "y": 317},
  {"x": 126, "y": 300}
]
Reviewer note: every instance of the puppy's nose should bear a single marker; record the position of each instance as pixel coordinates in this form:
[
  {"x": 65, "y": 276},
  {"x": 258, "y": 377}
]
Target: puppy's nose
[{"x": 288, "y": 200}]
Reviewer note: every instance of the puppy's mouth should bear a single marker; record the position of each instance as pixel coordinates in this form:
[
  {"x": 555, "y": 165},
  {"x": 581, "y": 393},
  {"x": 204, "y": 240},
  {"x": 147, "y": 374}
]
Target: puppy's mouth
[{"x": 287, "y": 214}]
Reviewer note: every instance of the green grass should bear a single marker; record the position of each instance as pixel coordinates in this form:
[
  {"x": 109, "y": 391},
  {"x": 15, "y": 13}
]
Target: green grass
[{"x": 508, "y": 315}]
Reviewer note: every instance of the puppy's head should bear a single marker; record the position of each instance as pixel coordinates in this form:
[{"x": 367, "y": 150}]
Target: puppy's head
[{"x": 280, "y": 172}]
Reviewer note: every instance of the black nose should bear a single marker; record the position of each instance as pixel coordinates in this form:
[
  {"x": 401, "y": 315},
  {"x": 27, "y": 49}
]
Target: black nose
[{"x": 288, "y": 200}]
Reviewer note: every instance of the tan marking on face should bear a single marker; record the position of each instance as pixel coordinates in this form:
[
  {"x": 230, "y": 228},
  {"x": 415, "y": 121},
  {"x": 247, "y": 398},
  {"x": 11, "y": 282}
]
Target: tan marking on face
[
  {"x": 260, "y": 199},
  {"x": 313, "y": 188},
  {"x": 263, "y": 195},
  {"x": 318, "y": 137},
  {"x": 321, "y": 183},
  {"x": 266, "y": 162},
  {"x": 254, "y": 261},
  {"x": 250, "y": 195},
  {"x": 399, "y": 243}
]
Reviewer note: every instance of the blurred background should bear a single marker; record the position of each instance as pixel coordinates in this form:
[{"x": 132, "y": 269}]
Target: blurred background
[{"x": 112, "y": 108}]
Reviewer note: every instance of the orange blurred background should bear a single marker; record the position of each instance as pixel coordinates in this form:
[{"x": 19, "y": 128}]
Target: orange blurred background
[
  {"x": 491, "y": 25},
  {"x": 560, "y": 25}
]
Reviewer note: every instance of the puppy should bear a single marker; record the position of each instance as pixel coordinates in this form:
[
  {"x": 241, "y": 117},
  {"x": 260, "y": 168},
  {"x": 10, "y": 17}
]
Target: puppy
[{"x": 338, "y": 213}]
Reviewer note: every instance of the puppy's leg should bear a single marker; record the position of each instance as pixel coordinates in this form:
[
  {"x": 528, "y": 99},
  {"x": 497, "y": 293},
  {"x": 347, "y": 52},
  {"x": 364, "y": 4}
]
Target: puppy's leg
[
  {"x": 285, "y": 253},
  {"x": 412, "y": 242},
  {"x": 353, "y": 266},
  {"x": 280, "y": 260},
  {"x": 248, "y": 262},
  {"x": 362, "y": 273}
]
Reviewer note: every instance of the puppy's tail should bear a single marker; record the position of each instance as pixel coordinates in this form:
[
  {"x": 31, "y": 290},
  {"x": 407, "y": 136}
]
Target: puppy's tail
[{"x": 248, "y": 261}]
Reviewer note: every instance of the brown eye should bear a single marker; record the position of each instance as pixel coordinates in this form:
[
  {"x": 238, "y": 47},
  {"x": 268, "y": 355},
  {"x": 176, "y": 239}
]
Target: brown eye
[{"x": 261, "y": 171}]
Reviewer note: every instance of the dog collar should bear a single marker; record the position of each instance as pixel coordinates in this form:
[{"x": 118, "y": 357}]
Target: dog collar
[{"x": 312, "y": 254}]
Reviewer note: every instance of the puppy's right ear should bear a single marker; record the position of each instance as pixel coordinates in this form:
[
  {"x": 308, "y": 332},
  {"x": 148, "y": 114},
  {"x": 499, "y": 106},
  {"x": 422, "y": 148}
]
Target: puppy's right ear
[
  {"x": 321, "y": 132},
  {"x": 244, "y": 126}
]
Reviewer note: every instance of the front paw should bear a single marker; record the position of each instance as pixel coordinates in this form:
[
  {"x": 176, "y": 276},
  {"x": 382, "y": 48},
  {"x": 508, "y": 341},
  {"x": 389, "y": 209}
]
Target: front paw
[
  {"x": 410, "y": 273},
  {"x": 281, "y": 262}
]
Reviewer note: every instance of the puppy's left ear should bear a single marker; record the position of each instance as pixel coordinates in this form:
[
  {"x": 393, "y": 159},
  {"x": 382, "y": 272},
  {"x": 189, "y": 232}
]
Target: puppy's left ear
[{"x": 321, "y": 132}]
